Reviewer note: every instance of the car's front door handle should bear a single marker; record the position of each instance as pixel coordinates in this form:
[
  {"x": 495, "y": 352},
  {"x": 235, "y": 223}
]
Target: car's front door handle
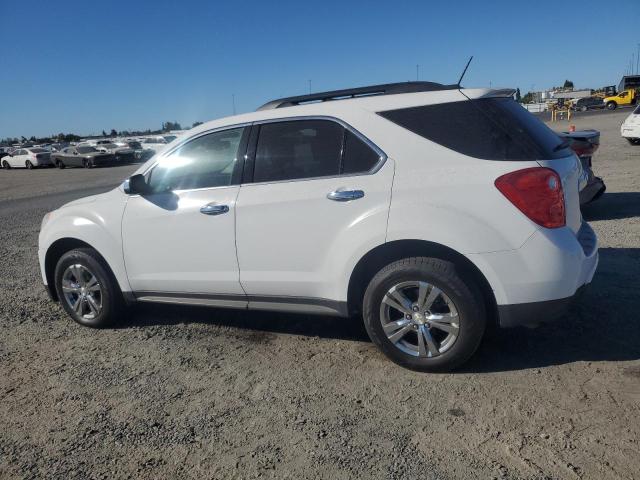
[
  {"x": 345, "y": 195},
  {"x": 214, "y": 209}
]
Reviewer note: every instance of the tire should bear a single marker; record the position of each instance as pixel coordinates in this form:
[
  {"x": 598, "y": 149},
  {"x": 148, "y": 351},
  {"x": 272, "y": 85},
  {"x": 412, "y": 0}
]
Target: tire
[
  {"x": 458, "y": 299},
  {"x": 583, "y": 109},
  {"x": 98, "y": 304},
  {"x": 611, "y": 105},
  {"x": 85, "y": 163},
  {"x": 634, "y": 141},
  {"x": 6, "y": 165},
  {"x": 28, "y": 165},
  {"x": 60, "y": 164}
]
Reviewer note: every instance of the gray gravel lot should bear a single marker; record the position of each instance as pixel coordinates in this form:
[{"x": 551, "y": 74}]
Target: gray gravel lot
[{"x": 203, "y": 393}]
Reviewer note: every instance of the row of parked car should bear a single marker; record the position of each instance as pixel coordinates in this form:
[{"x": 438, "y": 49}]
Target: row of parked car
[{"x": 87, "y": 154}]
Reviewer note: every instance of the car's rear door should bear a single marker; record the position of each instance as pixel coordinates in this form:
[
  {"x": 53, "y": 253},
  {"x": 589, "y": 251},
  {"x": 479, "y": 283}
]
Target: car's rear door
[
  {"x": 318, "y": 192},
  {"x": 179, "y": 240}
]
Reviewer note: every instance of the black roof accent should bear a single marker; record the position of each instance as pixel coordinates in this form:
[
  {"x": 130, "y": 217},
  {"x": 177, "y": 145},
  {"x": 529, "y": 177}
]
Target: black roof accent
[{"x": 384, "y": 89}]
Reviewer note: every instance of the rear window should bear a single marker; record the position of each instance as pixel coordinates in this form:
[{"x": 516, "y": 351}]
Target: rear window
[{"x": 486, "y": 128}]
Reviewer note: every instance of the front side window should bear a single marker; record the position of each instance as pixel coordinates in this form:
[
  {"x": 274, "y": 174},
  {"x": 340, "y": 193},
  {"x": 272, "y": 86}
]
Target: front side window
[{"x": 205, "y": 162}]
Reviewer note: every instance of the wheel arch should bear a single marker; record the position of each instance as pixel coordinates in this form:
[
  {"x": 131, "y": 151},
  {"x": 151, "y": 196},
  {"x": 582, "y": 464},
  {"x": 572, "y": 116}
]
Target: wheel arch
[
  {"x": 386, "y": 253},
  {"x": 56, "y": 250}
]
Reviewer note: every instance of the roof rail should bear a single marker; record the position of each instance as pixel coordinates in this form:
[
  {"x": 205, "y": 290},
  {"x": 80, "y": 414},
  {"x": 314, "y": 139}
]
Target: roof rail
[{"x": 384, "y": 89}]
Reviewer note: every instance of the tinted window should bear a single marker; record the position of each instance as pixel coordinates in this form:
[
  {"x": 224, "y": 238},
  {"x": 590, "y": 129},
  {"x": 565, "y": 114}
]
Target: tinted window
[
  {"x": 86, "y": 149},
  {"x": 299, "y": 149},
  {"x": 207, "y": 161},
  {"x": 490, "y": 128},
  {"x": 358, "y": 157},
  {"x": 38, "y": 150}
]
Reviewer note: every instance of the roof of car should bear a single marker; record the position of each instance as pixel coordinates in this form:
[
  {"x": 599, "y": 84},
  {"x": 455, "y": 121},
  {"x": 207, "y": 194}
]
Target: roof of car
[{"x": 350, "y": 93}]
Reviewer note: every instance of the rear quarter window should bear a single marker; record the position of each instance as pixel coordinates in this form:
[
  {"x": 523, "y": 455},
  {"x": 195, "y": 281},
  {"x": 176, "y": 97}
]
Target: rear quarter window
[{"x": 488, "y": 128}]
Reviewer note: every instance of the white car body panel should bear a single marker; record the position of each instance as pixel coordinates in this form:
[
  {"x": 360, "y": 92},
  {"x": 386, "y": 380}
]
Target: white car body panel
[
  {"x": 630, "y": 128},
  {"x": 293, "y": 241},
  {"x": 169, "y": 246}
]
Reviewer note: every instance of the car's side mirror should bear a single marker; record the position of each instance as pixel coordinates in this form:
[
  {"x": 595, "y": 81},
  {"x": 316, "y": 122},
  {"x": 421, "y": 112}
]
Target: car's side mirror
[{"x": 137, "y": 185}]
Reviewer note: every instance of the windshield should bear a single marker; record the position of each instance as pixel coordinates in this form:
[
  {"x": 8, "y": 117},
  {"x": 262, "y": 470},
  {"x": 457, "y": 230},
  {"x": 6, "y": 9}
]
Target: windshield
[
  {"x": 109, "y": 145},
  {"x": 86, "y": 149},
  {"x": 38, "y": 150}
]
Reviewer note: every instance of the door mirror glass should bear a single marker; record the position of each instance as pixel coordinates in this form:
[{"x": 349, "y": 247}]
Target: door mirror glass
[{"x": 136, "y": 185}]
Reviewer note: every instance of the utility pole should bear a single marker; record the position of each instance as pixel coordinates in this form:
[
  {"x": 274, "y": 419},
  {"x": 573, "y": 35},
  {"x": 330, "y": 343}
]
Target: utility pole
[
  {"x": 638, "y": 61},
  {"x": 309, "y": 87},
  {"x": 233, "y": 102},
  {"x": 417, "y": 72}
]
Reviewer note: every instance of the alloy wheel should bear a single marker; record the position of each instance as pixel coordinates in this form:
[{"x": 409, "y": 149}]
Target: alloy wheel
[
  {"x": 82, "y": 291},
  {"x": 419, "y": 319}
]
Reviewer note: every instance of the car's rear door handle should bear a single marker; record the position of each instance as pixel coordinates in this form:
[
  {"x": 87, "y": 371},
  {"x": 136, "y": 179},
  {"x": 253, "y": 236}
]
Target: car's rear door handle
[
  {"x": 345, "y": 195},
  {"x": 214, "y": 209}
]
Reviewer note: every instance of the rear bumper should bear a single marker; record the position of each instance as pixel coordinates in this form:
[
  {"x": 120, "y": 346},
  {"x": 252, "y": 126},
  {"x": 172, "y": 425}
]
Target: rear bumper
[
  {"x": 551, "y": 266},
  {"x": 630, "y": 131},
  {"x": 535, "y": 313}
]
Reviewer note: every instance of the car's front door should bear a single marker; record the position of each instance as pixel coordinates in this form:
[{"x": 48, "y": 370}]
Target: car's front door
[
  {"x": 18, "y": 158},
  {"x": 180, "y": 238},
  {"x": 319, "y": 193}
]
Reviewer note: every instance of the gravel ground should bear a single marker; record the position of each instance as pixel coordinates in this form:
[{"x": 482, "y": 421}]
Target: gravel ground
[{"x": 203, "y": 393}]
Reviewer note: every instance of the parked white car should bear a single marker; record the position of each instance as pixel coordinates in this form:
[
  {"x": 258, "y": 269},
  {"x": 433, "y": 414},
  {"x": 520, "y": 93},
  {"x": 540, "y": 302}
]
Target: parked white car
[
  {"x": 430, "y": 210},
  {"x": 153, "y": 145},
  {"x": 630, "y": 128},
  {"x": 30, "y": 157}
]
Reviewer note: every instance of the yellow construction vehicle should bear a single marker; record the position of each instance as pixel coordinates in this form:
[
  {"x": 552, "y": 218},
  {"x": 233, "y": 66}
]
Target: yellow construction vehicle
[{"x": 627, "y": 97}]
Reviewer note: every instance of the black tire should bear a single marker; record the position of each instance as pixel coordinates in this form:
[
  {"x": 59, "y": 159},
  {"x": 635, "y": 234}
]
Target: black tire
[
  {"x": 85, "y": 163},
  {"x": 611, "y": 105},
  {"x": 28, "y": 165},
  {"x": 6, "y": 165},
  {"x": 584, "y": 109},
  {"x": 111, "y": 300},
  {"x": 634, "y": 141},
  {"x": 464, "y": 294},
  {"x": 60, "y": 164}
]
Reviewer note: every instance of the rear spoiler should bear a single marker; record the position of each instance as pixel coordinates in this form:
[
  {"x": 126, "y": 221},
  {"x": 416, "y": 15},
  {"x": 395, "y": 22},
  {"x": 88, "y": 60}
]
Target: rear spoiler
[{"x": 501, "y": 92}]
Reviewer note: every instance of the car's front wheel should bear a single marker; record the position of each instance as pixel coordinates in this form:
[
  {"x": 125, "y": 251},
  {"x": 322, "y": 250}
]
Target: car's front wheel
[
  {"x": 6, "y": 165},
  {"x": 87, "y": 289},
  {"x": 60, "y": 164},
  {"x": 28, "y": 164},
  {"x": 423, "y": 315},
  {"x": 612, "y": 105}
]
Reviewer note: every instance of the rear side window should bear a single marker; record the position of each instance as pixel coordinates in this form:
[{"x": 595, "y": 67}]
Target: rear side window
[
  {"x": 298, "y": 149},
  {"x": 487, "y": 128},
  {"x": 358, "y": 157}
]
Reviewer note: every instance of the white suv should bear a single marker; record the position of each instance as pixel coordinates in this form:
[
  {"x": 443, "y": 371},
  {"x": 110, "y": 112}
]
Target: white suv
[{"x": 428, "y": 209}]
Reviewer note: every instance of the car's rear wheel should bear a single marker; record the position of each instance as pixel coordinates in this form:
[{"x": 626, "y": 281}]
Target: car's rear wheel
[
  {"x": 85, "y": 163},
  {"x": 634, "y": 141},
  {"x": 60, "y": 164},
  {"x": 87, "y": 289},
  {"x": 28, "y": 164},
  {"x": 584, "y": 109},
  {"x": 6, "y": 165},
  {"x": 423, "y": 315},
  {"x": 612, "y": 105}
]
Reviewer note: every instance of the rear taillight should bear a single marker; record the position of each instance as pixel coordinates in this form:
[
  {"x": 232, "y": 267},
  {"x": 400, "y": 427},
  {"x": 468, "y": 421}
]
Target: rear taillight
[{"x": 536, "y": 192}]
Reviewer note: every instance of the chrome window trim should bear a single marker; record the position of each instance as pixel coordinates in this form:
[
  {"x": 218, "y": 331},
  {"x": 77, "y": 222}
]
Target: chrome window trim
[{"x": 381, "y": 154}]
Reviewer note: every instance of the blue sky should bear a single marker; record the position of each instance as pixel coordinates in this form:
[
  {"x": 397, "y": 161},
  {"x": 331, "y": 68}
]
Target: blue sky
[{"x": 83, "y": 66}]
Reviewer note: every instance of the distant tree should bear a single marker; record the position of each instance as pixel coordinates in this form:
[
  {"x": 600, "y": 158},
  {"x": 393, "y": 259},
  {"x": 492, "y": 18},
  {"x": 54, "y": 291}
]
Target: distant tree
[
  {"x": 104, "y": 134},
  {"x": 113, "y": 133},
  {"x": 168, "y": 126},
  {"x": 568, "y": 84},
  {"x": 528, "y": 98},
  {"x": 33, "y": 138},
  {"x": 195, "y": 124},
  {"x": 518, "y": 97}
]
